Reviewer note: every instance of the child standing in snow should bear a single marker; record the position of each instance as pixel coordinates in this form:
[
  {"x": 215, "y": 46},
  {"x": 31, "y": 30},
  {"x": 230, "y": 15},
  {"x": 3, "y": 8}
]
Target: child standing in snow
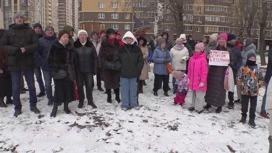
[
  {"x": 197, "y": 77},
  {"x": 181, "y": 82},
  {"x": 250, "y": 81}
]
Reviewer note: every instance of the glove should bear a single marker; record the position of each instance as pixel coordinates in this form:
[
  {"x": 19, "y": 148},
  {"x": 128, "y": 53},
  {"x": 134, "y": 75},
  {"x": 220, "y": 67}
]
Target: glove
[
  {"x": 182, "y": 60},
  {"x": 165, "y": 61},
  {"x": 201, "y": 84}
]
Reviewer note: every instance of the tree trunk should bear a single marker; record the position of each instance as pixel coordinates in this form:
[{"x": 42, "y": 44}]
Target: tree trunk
[{"x": 262, "y": 23}]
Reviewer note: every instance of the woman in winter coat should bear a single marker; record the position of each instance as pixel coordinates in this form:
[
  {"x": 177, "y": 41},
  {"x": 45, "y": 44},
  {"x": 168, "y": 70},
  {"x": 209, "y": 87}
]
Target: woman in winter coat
[
  {"x": 60, "y": 56},
  {"x": 197, "y": 77},
  {"x": 144, "y": 74},
  {"x": 130, "y": 61},
  {"x": 212, "y": 44},
  {"x": 107, "y": 54},
  {"x": 216, "y": 93},
  {"x": 179, "y": 54},
  {"x": 85, "y": 65},
  {"x": 161, "y": 57}
]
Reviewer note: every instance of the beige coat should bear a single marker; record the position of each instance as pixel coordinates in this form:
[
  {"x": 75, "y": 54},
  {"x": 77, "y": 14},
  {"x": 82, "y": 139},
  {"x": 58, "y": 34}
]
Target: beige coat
[{"x": 145, "y": 70}]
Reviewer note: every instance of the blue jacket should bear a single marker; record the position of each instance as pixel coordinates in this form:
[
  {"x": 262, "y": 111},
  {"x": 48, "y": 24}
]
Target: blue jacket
[
  {"x": 45, "y": 44},
  {"x": 269, "y": 66},
  {"x": 159, "y": 56}
]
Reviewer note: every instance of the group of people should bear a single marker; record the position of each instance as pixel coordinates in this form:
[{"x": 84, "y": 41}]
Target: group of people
[{"x": 122, "y": 64}]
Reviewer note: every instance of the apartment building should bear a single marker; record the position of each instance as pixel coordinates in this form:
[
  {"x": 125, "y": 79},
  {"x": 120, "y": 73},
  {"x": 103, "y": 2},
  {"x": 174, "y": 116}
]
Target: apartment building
[
  {"x": 68, "y": 13},
  {"x": 103, "y": 14}
]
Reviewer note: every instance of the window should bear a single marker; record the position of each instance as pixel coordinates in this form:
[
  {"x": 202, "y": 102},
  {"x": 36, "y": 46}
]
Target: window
[
  {"x": 101, "y": 15},
  {"x": 114, "y": 4},
  {"x": 115, "y": 26},
  {"x": 188, "y": 28},
  {"x": 198, "y": 29},
  {"x": 188, "y": 7},
  {"x": 102, "y": 26},
  {"x": 101, "y": 5},
  {"x": 127, "y": 26},
  {"x": 6, "y": 3},
  {"x": 127, "y": 16},
  {"x": 114, "y": 16}
]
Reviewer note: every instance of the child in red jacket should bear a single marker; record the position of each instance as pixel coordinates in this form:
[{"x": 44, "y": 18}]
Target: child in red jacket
[
  {"x": 181, "y": 82},
  {"x": 197, "y": 77}
]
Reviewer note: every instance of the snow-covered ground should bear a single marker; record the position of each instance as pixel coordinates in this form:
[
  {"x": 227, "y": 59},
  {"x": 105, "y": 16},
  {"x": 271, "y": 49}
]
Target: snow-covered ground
[{"x": 159, "y": 126}]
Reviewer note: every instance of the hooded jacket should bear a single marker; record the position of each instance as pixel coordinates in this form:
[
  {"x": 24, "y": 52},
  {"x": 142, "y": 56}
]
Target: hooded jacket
[
  {"x": 249, "y": 48},
  {"x": 198, "y": 71},
  {"x": 178, "y": 54},
  {"x": 130, "y": 58},
  {"x": 68, "y": 29},
  {"x": 14, "y": 38}
]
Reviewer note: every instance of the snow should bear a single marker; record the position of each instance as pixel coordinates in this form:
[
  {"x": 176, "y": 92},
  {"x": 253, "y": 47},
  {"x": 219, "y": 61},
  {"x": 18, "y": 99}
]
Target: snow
[{"x": 159, "y": 126}]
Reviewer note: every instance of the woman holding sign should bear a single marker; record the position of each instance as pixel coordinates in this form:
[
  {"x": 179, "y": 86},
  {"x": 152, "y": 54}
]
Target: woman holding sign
[{"x": 215, "y": 95}]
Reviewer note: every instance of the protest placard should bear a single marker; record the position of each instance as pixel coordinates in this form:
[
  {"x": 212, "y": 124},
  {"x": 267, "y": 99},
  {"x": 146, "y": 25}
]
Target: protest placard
[{"x": 219, "y": 58}]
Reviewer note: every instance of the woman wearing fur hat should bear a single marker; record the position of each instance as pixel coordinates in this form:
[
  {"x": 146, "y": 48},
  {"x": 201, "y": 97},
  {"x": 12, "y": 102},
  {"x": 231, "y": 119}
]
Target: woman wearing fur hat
[
  {"x": 107, "y": 54},
  {"x": 86, "y": 65},
  {"x": 130, "y": 59},
  {"x": 161, "y": 56},
  {"x": 216, "y": 93},
  {"x": 179, "y": 54},
  {"x": 144, "y": 74}
]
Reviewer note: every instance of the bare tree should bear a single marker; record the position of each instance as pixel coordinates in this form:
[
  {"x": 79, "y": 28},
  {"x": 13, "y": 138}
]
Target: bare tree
[{"x": 262, "y": 17}]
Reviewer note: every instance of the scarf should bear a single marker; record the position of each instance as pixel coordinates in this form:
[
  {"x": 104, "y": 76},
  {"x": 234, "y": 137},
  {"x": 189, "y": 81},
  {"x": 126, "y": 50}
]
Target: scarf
[{"x": 178, "y": 47}]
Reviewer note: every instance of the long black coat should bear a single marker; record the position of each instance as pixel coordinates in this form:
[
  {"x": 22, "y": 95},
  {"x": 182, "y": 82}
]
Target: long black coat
[
  {"x": 108, "y": 52},
  {"x": 216, "y": 93},
  {"x": 57, "y": 59},
  {"x": 14, "y": 38},
  {"x": 269, "y": 66}
]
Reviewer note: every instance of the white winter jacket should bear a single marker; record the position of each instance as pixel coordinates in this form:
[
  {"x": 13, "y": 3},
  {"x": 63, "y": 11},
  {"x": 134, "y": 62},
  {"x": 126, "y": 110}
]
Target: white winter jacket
[{"x": 177, "y": 56}]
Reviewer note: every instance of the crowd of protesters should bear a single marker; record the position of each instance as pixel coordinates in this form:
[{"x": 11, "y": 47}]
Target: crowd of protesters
[{"x": 122, "y": 64}]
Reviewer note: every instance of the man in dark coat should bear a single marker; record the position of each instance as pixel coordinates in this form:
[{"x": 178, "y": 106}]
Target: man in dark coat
[
  {"x": 267, "y": 79},
  {"x": 235, "y": 63},
  {"x": 45, "y": 44},
  {"x": 37, "y": 27},
  {"x": 20, "y": 42}
]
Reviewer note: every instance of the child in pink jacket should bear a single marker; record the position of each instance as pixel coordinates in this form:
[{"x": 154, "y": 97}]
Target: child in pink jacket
[
  {"x": 197, "y": 77},
  {"x": 182, "y": 84}
]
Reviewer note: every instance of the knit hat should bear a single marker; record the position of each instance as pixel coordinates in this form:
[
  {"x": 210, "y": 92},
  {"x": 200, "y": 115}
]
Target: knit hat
[
  {"x": 223, "y": 35},
  {"x": 251, "y": 55},
  {"x": 231, "y": 37},
  {"x": 82, "y": 31},
  {"x": 248, "y": 41},
  {"x": 62, "y": 32},
  {"x": 110, "y": 31},
  {"x": 19, "y": 15},
  {"x": 177, "y": 74},
  {"x": 201, "y": 46},
  {"x": 183, "y": 36},
  {"x": 214, "y": 36},
  {"x": 48, "y": 27},
  {"x": 37, "y": 25},
  {"x": 160, "y": 41}
]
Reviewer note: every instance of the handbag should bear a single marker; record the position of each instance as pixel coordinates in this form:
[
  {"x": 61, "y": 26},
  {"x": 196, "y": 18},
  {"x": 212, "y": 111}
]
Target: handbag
[
  {"x": 169, "y": 68},
  {"x": 60, "y": 74}
]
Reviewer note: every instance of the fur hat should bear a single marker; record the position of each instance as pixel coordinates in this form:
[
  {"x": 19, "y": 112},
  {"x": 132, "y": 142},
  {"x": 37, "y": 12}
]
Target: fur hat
[
  {"x": 214, "y": 36},
  {"x": 82, "y": 31},
  {"x": 223, "y": 35},
  {"x": 201, "y": 46},
  {"x": 19, "y": 15}
]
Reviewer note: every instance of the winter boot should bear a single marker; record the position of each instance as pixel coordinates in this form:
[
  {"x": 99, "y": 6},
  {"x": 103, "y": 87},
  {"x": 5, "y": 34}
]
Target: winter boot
[
  {"x": 108, "y": 91},
  {"x": 100, "y": 88},
  {"x": 80, "y": 104},
  {"x": 251, "y": 122},
  {"x": 117, "y": 95},
  {"x": 207, "y": 107},
  {"x": 191, "y": 109},
  {"x": 166, "y": 94},
  {"x": 237, "y": 101},
  {"x": 17, "y": 112},
  {"x": 9, "y": 100},
  {"x": 140, "y": 86},
  {"x": 54, "y": 111},
  {"x": 264, "y": 114},
  {"x": 243, "y": 119},
  {"x": 50, "y": 102},
  {"x": 41, "y": 94},
  {"x": 155, "y": 93},
  {"x": 66, "y": 108},
  {"x": 35, "y": 110},
  {"x": 92, "y": 104},
  {"x": 231, "y": 105},
  {"x": 2, "y": 104},
  {"x": 218, "y": 110}
]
